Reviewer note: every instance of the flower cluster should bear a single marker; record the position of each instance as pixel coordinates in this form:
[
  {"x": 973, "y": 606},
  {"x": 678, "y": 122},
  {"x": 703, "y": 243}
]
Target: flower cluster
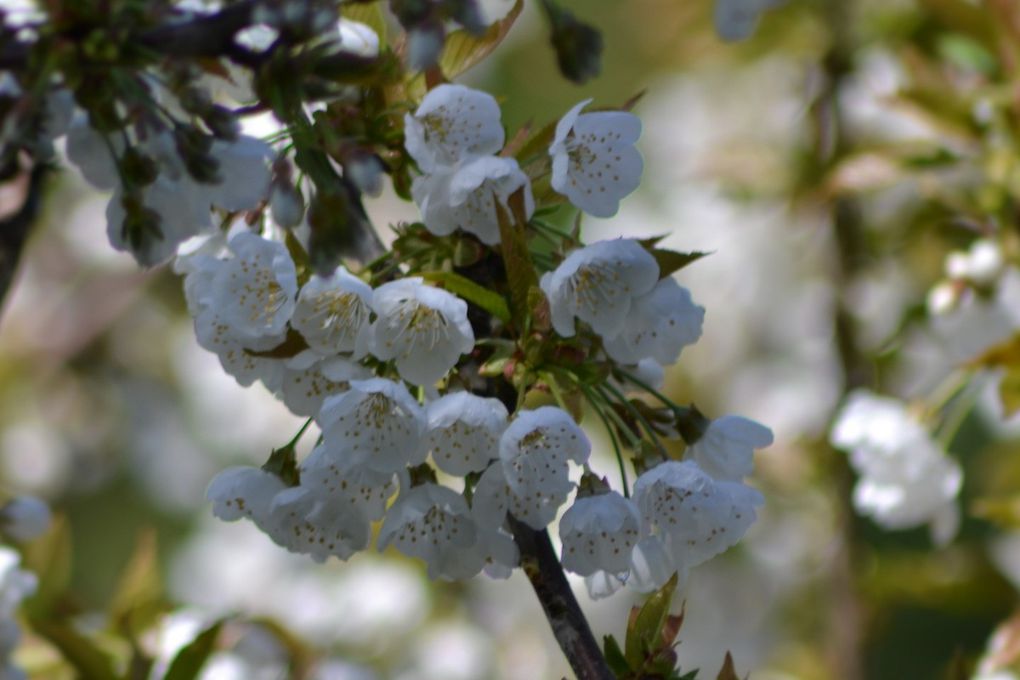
[
  {"x": 906, "y": 479},
  {"x": 23, "y": 518},
  {"x": 412, "y": 386}
]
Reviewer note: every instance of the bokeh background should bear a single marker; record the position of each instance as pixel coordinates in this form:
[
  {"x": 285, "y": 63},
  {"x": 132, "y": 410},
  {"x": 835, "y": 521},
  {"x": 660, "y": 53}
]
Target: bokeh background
[{"x": 754, "y": 151}]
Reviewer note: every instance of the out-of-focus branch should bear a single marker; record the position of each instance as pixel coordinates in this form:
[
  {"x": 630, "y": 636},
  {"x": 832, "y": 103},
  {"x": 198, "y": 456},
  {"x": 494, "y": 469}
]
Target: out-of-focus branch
[
  {"x": 845, "y": 615},
  {"x": 543, "y": 569}
]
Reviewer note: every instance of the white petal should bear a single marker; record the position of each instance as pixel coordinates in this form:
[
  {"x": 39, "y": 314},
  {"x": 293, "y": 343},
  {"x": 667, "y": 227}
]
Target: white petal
[{"x": 452, "y": 123}]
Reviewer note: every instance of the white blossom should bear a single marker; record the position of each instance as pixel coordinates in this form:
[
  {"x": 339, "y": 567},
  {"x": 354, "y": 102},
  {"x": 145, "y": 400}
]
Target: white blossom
[
  {"x": 660, "y": 324},
  {"x": 244, "y": 174},
  {"x": 535, "y": 449},
  {"x": 434, "y": 524},
  {"x": 308, "y": 379},
  {"x": 333, "y": 313},
  {"x": 423, "y": 329},
  {"x": 183, "y": 213},
  {"x": 25, "y": 517},
  {"x": 493, "y": 499},
  {"x": 358, "y": 38},
  {"x": 594, "y": 162},
  {"x": 598, "y": 284},
  {"x": 254, "y": 292},
  {"x": 981, "y": 264},
  {"x": 216, "y": 335},
  {"x": 905, "y": 478},
  {"x": 464, "y": 431},
  {"x": 693, "y": 516},
  {"x": 467, "y": 196},
  {"x": 330, "y": 473},
  {"x": 302, "y": 522},
  {"x": 726, "y": 449},
  {"x": 243, "y": 492},
  {"x": 598, "y": 533},
  {"x": 377, "y": 422},
  {"x": 452, "y": 123}
]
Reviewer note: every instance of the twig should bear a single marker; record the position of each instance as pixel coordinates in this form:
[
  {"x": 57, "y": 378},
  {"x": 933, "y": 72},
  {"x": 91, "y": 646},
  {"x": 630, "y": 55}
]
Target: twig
[{"x": 543, "y": 569}]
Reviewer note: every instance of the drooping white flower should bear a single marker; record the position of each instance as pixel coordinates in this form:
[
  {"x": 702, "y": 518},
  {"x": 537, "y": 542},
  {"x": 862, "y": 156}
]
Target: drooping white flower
[
  {"x": 726, "y": 449},
  {"x": 693, "y": 516},
  {"x": 358, "y": 38},
  {"x": 25, "y": 517},
  {"x": 244, "y": 173},
  {"x": 464, "y": 431},
  {"x": 308, "y": 379},
  {"x": 302, "y": 522},
  {"x": 737, "y": 19},
  {"x": 425, "y": 330},
  {"x": 660, "y": 324},
  {"x": 183, "y": 213},
  {"x": 434, "y": 524},
  {"x": 377, "y": 422},
  {"x": 493, "y": 499},
  {"x": 598, "y": 533},
  {"x": 243, "y": 492},
  {"x": 535, "y": 449},
  {"x": 651, "y": 565},
  {"x": 602, "y": 584},
  {"x": 332, "y": 313},
  {"x": 330, "y": 473},
  {"x": 216, "y": 335},
  {"x": 905, "y": 478},
  {"x": 255, "y": 291},
  {"x": 598, "y": 284},
  {"x": 594, "y": 162},
  {"x": 452, "y": 123},
  {"x": 466, "y": 196}
]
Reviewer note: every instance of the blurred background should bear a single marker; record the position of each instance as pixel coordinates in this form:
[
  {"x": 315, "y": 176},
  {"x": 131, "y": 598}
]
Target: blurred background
[{"x": 829, "y": 163}]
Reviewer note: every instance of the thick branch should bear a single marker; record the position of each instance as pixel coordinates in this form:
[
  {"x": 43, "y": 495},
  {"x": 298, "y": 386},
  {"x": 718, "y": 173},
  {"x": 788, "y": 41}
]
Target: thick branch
[{"x": 539, "y": 562}]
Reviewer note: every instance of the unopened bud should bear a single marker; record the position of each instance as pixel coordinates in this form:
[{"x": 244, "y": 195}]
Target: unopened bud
[{"x": 286, "y": 204}]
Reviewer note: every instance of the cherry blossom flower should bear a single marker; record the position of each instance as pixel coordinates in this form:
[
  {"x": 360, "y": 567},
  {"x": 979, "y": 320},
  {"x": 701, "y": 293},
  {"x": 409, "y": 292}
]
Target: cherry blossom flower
[
  {"x": 243, "y": 492},
  {"x": 594, "y": 162},
  {"x": 466, "y": 197},
  {"x": 726, "y": 449},
  {"x": 493, "y": 499},
  {"x": 464, "y": 431},
  {"x": 302, "y": 522},
  {"x": 906, "y": 480},
  {"x": 598, "y": 533},
  {"x": 598, "y": 284},
  {"x": 434, "y": 524},
  {"x": 331, "y": 474},
  {"x": 453, "y": 122},
  {"x": 308, "y": 379},
  {"x": 423, "y": 329},
  {"x": 236, "y": 357},
  {"x": 660, "y": 324},
  {"x": 693, "y": 516},
  {"x": 254, "y": 291},
  {"x": 332, "y": 313},
  {"x": 377, "y": 422},
  {"x": 535, "y": 449}
]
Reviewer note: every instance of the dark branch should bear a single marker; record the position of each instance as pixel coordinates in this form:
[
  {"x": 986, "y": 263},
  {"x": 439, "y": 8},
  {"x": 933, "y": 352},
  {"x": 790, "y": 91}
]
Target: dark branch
[{"x": 539, "y": 562}]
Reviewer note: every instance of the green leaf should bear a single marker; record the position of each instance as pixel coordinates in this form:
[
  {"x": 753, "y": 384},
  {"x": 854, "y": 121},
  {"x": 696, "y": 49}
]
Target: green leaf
[
  {"x": 139, "y": 598},
  {"x": 614, "y": 656},
  {"x": 79, "y": 651},
  {"x": 463, "y": 50},
  {"x": 645, "y": 630},
  {"x": 520, "y": 272},
  {"x": 189, "y": 661},
  {"x": 671, "y": 261},
  {"x": 464, "y": 287},
  {"x": 49, "y": 557},
  {"x": 370, "y": 13},
  {"x": 693, "y": 675}
]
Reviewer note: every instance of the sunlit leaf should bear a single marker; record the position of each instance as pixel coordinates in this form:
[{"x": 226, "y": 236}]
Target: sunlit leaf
[
  {"x": 79, "y": 651},
  {"x": 49, "y": 558},
  {"x": 463, "y": 50},
  {"x": 520, "y": 272},
  {"x": 645, "y": 629},
  {"x": 139, "y": 597},
  {"x": 189, "y": 661},
  {"x": 464, "y": 287}
]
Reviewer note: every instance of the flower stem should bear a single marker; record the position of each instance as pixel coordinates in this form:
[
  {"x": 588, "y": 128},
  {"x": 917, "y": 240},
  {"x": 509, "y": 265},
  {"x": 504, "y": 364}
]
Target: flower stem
[{"x": 543, "y": 569}]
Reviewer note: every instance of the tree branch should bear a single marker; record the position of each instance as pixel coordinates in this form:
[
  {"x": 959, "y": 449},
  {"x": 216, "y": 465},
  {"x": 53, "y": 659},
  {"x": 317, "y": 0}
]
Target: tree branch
[{"x": 543, "y": 569}]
